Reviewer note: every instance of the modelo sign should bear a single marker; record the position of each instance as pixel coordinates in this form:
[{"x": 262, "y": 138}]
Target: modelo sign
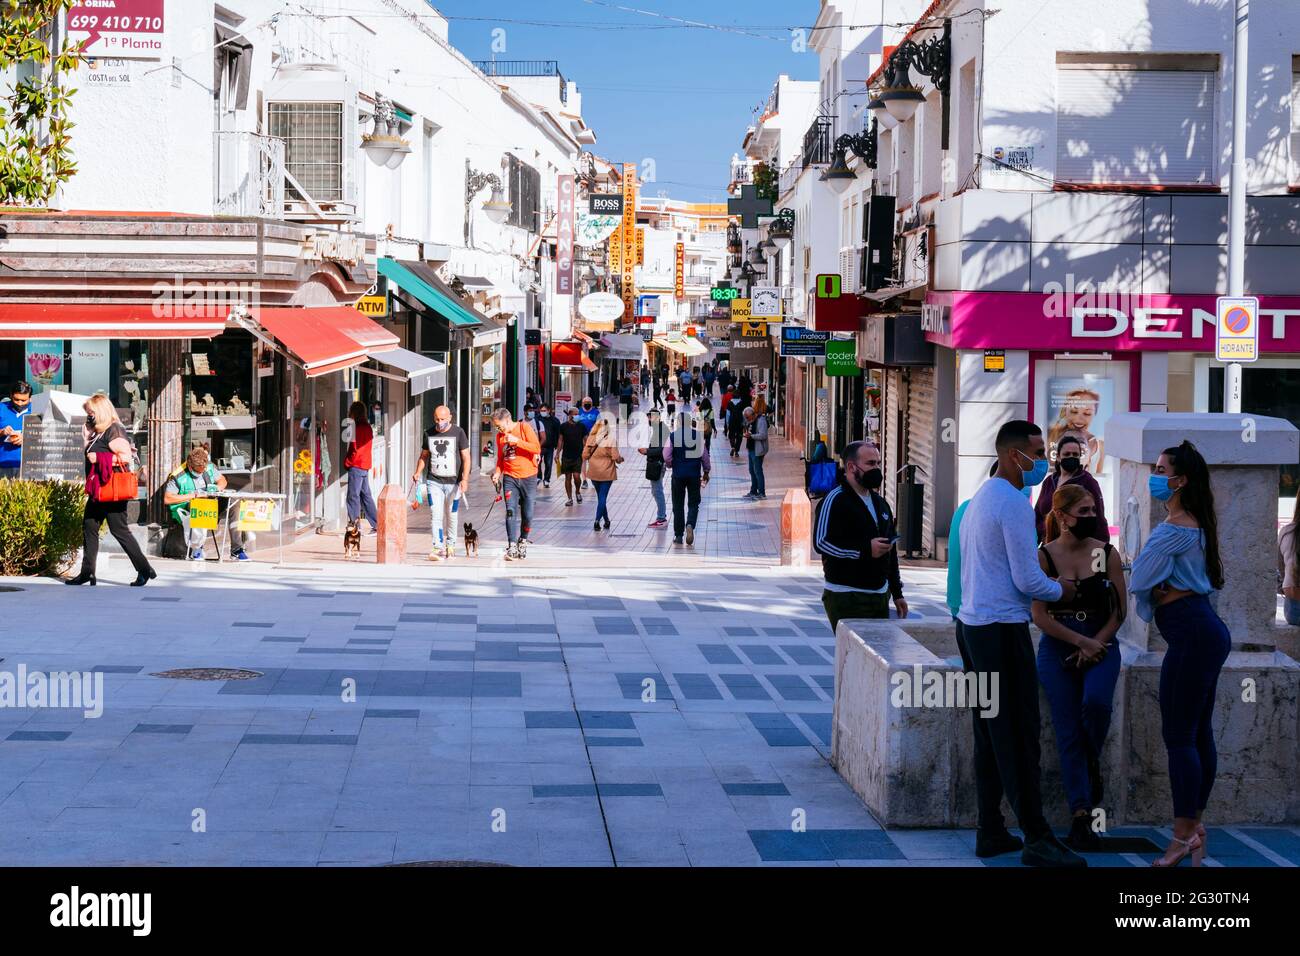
[{"x": 601, "y": 307}]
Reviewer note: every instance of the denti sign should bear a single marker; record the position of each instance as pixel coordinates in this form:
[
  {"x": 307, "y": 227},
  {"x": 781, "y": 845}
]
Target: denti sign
[{"x": 1169, "y": 323}]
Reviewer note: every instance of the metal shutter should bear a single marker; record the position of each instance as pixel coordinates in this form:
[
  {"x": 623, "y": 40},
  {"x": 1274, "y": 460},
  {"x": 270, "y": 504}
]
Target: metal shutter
[
  {"x": 1134, "y": 126},
  {"x": 889, "y": 435},
  {"x": 920, "y": 443}
]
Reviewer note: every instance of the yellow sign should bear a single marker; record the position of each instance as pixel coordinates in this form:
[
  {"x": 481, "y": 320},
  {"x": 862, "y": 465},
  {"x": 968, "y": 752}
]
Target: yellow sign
[
  {"x": 373, "y": 305},
  {"x": 255, "y": 516},
  {"x": 629, "y": 236},
  {"x": 203, "y": 514},
  {"x": 640, "y": 247},
  {"x": 741, "y": 312},
  {"x": 753, "y": 330},
  {"x": 995, "y": 360}
]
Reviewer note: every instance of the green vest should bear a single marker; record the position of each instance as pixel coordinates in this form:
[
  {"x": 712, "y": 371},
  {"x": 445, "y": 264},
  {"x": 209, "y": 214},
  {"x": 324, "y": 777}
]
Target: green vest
[{"x": 185, "y": 486}]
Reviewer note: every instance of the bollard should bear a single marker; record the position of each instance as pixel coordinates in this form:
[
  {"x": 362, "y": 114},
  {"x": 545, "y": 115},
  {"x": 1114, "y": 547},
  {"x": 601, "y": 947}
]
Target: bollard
[
  {"x": 392, "y": 508},
  {"x": 796, "y": 528}
]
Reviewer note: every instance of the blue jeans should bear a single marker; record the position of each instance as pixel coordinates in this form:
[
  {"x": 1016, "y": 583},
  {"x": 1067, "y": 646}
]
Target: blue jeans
[
  {"x": 602, "y": 498},
  {"x": 1199, "y": 643},
  {"x": 359, "y": 496},
  {"x": 757, "y": 482},
  {"x": 657, "y": 492},
  {"x": 444, "y": 512},
  {"x": 1080, "y": 702},
  {"x": 1291, "y": 611},
  {"x": 548, "y": 463}
]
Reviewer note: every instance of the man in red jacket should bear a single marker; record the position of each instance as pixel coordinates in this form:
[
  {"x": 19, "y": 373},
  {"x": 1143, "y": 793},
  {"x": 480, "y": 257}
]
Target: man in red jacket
[{"x": 518, "y": 450}]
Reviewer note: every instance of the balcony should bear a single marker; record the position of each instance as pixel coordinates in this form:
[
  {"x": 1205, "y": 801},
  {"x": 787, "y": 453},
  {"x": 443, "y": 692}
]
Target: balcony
[
  {"x": 817, "y": 142},
  {"x": 250, "y": 175},
  {"x": 524, "y": 68}
]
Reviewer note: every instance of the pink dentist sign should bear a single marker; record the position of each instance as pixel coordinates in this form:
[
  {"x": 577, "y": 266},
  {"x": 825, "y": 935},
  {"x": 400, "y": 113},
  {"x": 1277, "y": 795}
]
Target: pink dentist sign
[{"x": 1095, "y": 322}]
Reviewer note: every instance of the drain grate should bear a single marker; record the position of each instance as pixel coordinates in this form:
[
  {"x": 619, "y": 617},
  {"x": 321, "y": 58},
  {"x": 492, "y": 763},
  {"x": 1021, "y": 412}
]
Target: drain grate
[
  {"x": 446, "y": 863},
  {"x": 209, "y": 673}
]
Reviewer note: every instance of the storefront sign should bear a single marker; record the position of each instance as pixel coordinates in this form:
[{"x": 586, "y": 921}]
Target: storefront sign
[
  {"x": 995, "y": 360},
  {"x": 564, "y": 229},
  {"x": 1165, "y": 323},
  {"x": 842, "y": 357},
  {"x": 798, "y": 341},
  {"x": 741, "y": 310},
  {"x": 606, "y": 204},
  {"x": 640, "y": 247},
  {"x": 1237, "y": 336},
  {"x": 375, "y": 306},
  {"x": 628, "y": 265},
  {"x": 600, "y": 307},
  {"x": 765, "y": 302},
  {"x": 342, "y": 247},
  {"x": 91, "y": 371},
  {"x": 829, "y": 286},
  {"x": 720, "y": 293},
  {"x": 52, "y": 451},
  {"x": 934, "y": 318},
  {"x": 203, "y": 514},
  {"x": 592, "y": 230},
  {"x": 648, "y": 305},
  {"x": 647, "y": 334},
  {"x": 843, "y": 314},
  {"x": 679, "y": 273},
  {"x": 44, "y": 364},
  {"x": 118, "y": 27}
]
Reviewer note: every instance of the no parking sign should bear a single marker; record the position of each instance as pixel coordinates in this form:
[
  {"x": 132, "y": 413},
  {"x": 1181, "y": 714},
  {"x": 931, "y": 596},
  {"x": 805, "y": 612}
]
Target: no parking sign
[{"x": 1237, "y": 330}]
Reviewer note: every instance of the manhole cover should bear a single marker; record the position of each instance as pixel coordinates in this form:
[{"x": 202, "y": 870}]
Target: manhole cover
[
  {"x": 446, "y": 863},
  {"x": 209, "y": 673}
]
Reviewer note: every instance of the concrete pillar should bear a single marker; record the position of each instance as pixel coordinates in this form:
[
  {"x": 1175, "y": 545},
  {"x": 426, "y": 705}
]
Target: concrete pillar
[
  {"x": 1244, "y": 453},
  {"x": 796, "y": 528},
  {"x": 391, "y": 545}
]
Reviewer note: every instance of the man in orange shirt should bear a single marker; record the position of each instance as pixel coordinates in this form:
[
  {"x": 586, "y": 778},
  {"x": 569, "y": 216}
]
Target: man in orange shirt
[{"x": 518, "y": 449}]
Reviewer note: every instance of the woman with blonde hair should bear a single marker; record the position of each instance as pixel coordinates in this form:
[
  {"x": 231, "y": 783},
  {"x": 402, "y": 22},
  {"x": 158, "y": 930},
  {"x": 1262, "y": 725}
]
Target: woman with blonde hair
[
  {"x": 601, "y": 454},
  {"x": 106, "y": 445},
  {"x": 1078, "y": 660}
]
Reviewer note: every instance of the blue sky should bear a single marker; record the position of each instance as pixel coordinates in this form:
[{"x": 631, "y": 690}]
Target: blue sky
[{"x": 650, "y": 87}]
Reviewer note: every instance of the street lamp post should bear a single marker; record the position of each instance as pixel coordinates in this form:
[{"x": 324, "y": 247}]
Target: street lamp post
[{"x": 1237, "y": 195}]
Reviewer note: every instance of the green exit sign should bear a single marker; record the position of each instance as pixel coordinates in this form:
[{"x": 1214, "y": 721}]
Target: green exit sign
[{"x": 724, "y": 295}]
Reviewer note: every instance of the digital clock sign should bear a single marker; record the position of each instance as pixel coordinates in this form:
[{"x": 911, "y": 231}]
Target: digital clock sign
[{"x": 724, "y": 295}]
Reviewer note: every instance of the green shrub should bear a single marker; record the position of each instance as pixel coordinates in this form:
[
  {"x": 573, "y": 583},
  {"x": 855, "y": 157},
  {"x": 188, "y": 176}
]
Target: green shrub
[{"x": 40, "y": 526}]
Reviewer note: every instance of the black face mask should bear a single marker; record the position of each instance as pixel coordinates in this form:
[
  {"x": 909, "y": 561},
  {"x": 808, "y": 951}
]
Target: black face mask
[
  {"x": 871, "y": 479},
  {"x": 1070, "y": 465},
  {"x": 1085, "y": 527}
]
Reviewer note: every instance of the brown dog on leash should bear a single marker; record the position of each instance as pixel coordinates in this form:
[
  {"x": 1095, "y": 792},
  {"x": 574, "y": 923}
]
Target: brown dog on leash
[
  {"x": 471, "y": 541},
  {"x": 352, "y": 541}
]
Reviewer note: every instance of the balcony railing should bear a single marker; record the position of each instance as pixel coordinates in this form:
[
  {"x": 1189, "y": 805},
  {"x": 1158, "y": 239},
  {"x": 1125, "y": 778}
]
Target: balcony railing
[
  {"x": 250, "y": 175},
  {"x": 773, "y": 103},
  {"x": 817, "y": 142},
  {"x": 524, "y": 68}
]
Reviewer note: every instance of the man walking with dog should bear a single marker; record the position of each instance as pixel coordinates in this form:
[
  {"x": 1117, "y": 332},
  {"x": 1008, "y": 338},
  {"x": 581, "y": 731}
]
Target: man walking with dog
[
  {"x": 443, "y": 472},
  {"x": 518, "y": 450}
]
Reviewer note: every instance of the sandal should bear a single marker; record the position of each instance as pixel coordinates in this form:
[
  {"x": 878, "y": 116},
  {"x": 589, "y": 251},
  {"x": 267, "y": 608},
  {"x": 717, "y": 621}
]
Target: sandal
[
  {"x": 1188, "y": 847},
  {"x": 1199, "y": 853}
]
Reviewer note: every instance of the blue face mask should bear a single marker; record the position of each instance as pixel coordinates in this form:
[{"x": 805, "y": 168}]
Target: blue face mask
[
  {"x": 1037, "y": 474},
  {"x": 1159, "y": 487}
]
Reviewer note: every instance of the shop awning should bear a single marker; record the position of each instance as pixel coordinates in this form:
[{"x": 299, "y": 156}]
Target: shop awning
[
  {"x": 420, "y": 371},
  {"x": 623, "y": 346},
  {"x": 571, "y": 355},
  {"x": 884, "y": 295},
  {"x": 418, "y": 280},
  {"x": 475, "y": 283},
  {"x": 68, "y": 320},
  {"x": 325, "y": 339},
  {"x": 492, "y": 332},
  {"x": 687, "y": 347}
]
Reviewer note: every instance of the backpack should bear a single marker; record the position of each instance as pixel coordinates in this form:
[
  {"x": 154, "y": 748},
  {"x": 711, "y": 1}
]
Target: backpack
[{"x": 822, "y": 477}]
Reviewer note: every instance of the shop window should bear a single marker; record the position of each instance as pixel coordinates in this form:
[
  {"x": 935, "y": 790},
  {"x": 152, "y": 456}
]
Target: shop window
[
  {"x": 221, "y": 405},
  {"x": 1136, "y": 119},
  {"x": 1267, "y": 391}
]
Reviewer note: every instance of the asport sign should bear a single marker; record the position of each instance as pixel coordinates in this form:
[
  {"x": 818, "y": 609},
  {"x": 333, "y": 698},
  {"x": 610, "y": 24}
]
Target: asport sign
[{"x": 119, "y": 28}]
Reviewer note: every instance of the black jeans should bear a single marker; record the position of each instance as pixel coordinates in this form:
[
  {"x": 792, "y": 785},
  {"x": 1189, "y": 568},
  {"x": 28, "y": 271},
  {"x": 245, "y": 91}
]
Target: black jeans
[
  {"x": 734, "y": 437},
  {"x": 1007, "y": 753},
  {"x": 852, "y": 604},
  {"x": 548, "y": 463},
  {"x": 519, "y": 505},
  {"x": 114, "y": 512},
  {"x": 685, "y": 490}
]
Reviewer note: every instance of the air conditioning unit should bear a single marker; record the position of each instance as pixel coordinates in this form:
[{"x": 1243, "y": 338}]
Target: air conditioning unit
[{"x": 878, "y": 235}]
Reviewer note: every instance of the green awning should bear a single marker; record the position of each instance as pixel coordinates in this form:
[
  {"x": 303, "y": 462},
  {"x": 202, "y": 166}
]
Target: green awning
[{"x": 418, "y": 280}]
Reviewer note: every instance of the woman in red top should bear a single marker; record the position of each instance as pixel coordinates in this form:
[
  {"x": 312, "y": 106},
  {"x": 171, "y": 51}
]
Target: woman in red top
[{"x": 357, "y": 462}]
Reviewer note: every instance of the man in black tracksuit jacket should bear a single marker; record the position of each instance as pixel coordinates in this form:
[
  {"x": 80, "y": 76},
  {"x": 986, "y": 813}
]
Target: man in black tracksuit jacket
[{"x": 853, "y": 531}]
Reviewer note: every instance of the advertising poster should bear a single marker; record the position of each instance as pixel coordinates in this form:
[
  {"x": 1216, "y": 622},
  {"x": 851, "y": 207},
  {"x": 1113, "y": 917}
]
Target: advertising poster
[
  {"x": 119, "y": 28},
  {"x": 90, "y": 366},
  {"x": 44, "y": 364},
  {"x": 203, "y": 514},
  {"x": 255, "y": 515},
  {"x": 1081, "y": 406}
]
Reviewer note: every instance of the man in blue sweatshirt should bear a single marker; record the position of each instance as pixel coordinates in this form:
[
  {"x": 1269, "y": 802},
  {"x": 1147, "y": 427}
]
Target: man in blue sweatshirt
[
  {"x": 12, "y": 413},
  {"x": 1000, "y": 577}
]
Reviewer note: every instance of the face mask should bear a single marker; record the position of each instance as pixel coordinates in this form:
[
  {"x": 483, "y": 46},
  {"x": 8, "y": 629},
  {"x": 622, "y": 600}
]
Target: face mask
[
  {"x": 1159, "y": 487},
  {"x": 1034, "y": 476},
  {"x": 872, "y": 478},
  {"x": 442, "y": 426},
  {"x": 530, "y": 416},
  {"x": 1085, "y": 527},
  {"x": 1070, "y": 465}
]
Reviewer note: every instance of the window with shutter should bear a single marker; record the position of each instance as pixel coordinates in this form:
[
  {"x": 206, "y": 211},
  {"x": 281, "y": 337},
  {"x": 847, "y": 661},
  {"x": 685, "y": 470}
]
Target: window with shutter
[{"x": 1134, "y": 126}]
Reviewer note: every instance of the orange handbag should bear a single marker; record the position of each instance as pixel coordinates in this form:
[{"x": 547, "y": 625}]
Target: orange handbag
[{"x": 124, "y": 485}]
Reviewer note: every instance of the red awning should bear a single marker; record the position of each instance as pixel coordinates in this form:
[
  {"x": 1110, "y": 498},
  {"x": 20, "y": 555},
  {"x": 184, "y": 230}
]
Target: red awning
[
  {"x": 326, "y": 339},
  {"x": 570, "y": 354},
  {"x": 70, "y": 320}
]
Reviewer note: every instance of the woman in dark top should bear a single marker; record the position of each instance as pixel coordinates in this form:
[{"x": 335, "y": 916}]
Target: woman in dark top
[
  {"x": 106, "y": 436},
  {"x": 1070, "y": 471},
  {"x": 1078, "y": 660}
]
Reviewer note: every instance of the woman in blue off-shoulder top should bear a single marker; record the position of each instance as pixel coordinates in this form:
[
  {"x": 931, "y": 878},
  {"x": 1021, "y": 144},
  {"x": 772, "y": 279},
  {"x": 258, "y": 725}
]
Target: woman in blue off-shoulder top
[{"x": 1173, "y": 577}]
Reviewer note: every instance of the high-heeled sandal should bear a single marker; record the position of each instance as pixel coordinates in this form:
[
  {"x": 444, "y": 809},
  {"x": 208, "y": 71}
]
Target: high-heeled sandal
[
  {"x": 1188, "y": 847},
  {"x": 1198, "y": 855}
]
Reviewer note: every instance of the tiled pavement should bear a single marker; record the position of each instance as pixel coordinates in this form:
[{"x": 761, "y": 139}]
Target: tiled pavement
[{"x": 667, "y": 716}]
